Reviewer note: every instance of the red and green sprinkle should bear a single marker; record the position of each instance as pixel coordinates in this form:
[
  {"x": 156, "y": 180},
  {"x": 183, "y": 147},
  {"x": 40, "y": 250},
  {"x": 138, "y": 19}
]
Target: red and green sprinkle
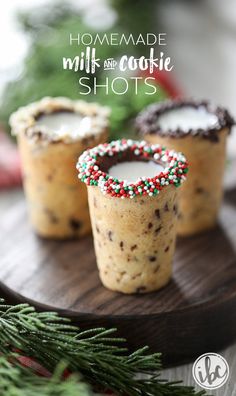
[{"x": 175, "y": 168}]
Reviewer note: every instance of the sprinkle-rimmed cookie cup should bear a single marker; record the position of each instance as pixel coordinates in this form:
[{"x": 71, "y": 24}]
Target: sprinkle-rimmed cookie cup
[
  {"x": 51, "y": 134},
  {"x": 134, "y": 223},
  {"x": 199, "y": 130}
]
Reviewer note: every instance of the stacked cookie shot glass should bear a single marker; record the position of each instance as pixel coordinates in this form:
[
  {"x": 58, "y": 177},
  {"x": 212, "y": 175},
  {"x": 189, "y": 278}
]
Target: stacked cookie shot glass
[
  {"x": 51, "y": 134},
  {"x": 200, "y": 131},
  {"x": 134, "y": 222}
]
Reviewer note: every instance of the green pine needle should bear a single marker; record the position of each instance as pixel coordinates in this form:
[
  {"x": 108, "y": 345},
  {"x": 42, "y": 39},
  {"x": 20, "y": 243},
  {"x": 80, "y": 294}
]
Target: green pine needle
[
  {"x": 16, "y": 380},
  {"x": 95, "y": 354}
]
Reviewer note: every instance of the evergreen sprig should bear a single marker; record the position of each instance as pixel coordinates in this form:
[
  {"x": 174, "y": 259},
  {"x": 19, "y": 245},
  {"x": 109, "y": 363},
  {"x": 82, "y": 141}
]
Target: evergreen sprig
[
  {"x": 95, "y": 354},
  {"x": 17, "y": 380}
]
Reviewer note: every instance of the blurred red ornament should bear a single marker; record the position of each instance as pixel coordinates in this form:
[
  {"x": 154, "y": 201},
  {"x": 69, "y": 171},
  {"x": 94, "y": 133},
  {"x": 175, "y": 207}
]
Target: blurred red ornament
[
  {"x": 10, "y": 170},
  {"x": 167, "y": 81}
]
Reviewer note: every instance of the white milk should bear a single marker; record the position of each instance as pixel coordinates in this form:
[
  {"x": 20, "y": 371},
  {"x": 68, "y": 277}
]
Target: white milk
[
  {"x": 65, "y": 123},
  {"x": 131, "y": 171},
  {"x": 186, "y": 118}
]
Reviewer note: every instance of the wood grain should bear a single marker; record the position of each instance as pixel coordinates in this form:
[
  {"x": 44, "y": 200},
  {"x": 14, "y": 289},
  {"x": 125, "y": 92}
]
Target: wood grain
[{"x": 194, "y": 313}]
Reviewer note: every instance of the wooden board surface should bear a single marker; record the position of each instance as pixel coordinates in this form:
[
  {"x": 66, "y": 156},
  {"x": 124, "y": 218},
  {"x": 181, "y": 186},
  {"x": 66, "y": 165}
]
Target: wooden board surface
[{"x": 195, "y": 313}]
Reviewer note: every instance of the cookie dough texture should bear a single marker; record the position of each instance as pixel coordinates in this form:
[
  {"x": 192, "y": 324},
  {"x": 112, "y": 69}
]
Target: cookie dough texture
[
  {"x": 201, "y": 195},
  {"x": 134, "y": 239},
  {"x": 57, "y": 201}
]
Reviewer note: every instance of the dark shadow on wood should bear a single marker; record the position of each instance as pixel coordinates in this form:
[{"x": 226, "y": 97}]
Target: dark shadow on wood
[{"x": 230, "y": 196}]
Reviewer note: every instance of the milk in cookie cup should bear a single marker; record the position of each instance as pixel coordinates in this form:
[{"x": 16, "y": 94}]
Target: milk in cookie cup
[
  {"x": 199, "y": 130},
  {"x": 133, "y": 207},
  {"x": 51, "y": 134}
]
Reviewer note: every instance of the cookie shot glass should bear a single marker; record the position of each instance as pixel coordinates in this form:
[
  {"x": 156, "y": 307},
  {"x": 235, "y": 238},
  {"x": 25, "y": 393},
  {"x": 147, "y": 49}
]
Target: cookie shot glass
[
  {"x": 51, "y": 134},
  {"x": 133, "y": 208},
  {"x": 200, "y": 131}
]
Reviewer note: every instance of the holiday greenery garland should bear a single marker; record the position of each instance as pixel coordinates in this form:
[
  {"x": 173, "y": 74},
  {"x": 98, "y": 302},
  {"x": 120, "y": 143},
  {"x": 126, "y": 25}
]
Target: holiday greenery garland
[{"x": 93, "y": 358}]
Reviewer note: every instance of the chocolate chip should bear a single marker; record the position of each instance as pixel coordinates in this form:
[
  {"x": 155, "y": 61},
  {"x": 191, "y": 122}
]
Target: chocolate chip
[
  {"x": 97, "y": 229},
  {"x": 122, "y": 245},
  {"x": 175, "y": 209},
  {"x": 52, "y": 217},
  {"x": 49, "y": 178},
  {"x": 157, "y": 213},
  {"x": 133, "y": 248},
  {"x": 150, "y": 225},
  {"x": 140, "y": 289},
  {"x": 152, "y": 258},
  {"x": 85, "y": 141},
  {"x": 137, "y": 275},
  {"x": 110, "y": 235},
  {"x": 167, "y": 248},
  {"x": 199, "y": 190},
  {"x": 157, "y": 230},
  {"x": 166, "y": 208},
  {"x": 75, "y": 224}
]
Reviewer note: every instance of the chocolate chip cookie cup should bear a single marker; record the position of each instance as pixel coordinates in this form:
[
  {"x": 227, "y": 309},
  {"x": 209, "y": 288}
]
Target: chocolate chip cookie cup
[
  {"x": 133, "y": 217},
  {"x": 51, "y": 134},
  {"x": 199, "y": 130}
]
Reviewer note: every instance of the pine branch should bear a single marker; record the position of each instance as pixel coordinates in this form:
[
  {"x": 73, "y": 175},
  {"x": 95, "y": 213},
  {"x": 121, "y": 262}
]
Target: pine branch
[
  {"x": 19, "y": 381},
  {"x": 95, "y": 353}
]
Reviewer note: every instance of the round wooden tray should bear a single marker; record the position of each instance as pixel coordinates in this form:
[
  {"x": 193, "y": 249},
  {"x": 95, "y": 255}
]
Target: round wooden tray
[{"x": 195, "y": 313}]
